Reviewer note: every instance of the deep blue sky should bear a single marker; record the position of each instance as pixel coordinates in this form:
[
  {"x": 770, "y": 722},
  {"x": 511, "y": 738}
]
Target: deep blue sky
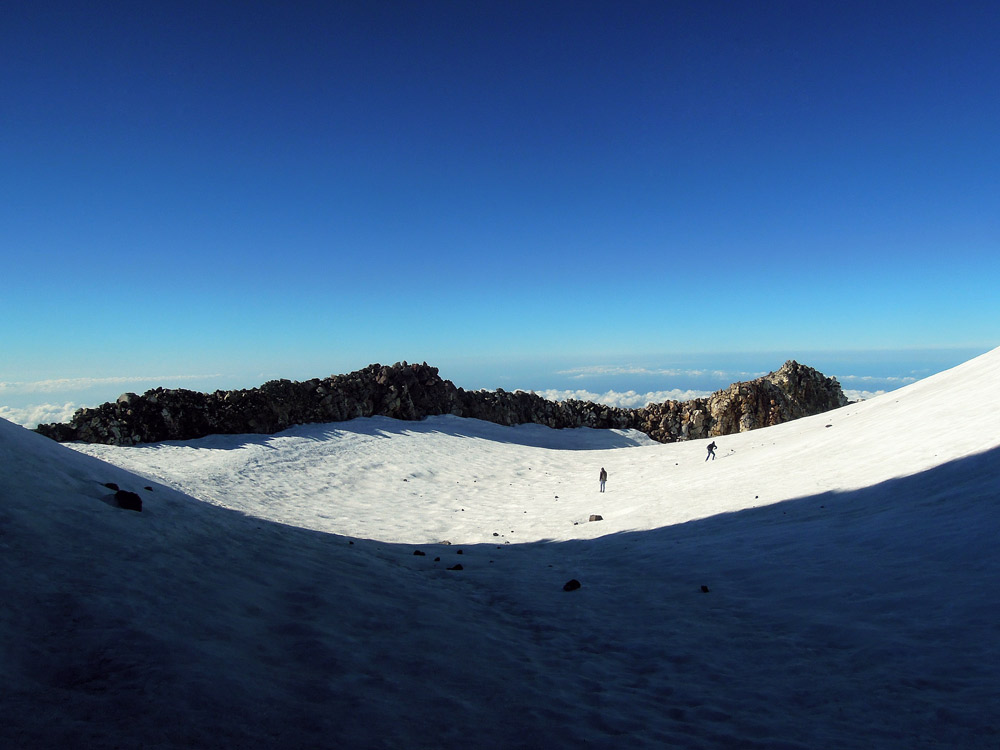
[{"x": 250, "y": 189}]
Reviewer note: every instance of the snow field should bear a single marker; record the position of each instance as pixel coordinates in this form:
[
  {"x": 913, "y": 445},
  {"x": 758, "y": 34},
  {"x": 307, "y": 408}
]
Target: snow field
[{"x": 268, "y": 594}]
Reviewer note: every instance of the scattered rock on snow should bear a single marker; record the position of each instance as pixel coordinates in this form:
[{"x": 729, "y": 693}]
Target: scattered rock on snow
[
  {"x": 571, "y": 585},
  {"x": 596, "y": 518},
  {"x": 128, "y": 500}
]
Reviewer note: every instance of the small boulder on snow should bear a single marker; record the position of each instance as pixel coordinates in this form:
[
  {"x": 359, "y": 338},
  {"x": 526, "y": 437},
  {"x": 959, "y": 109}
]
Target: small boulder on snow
[{"x": 128, "y": 500}]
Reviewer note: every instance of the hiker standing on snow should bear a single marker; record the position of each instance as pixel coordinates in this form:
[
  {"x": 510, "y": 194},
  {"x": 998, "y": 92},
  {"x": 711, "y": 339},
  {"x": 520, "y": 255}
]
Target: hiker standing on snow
[
  {"x": 711, "y": 451},
  {"x": 603, "y": 477}
]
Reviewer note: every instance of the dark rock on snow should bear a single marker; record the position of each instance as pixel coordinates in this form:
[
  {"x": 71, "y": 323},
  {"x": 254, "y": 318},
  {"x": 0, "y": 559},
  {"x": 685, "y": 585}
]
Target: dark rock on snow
[
  {"x": 128, "y": 500},
  {"x": 411, "y": 392}
]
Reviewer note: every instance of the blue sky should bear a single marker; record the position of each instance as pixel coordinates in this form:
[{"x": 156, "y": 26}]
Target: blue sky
[{"x": 237, "y": 191}]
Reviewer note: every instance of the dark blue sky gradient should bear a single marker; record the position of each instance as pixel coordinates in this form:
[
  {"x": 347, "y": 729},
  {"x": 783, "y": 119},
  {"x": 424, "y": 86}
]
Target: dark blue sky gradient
[{"x": 304, "y": 188}]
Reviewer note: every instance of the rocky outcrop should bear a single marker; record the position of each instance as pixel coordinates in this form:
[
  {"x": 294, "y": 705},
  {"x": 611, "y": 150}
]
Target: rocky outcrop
[
  {"x": 791, "y": 392},
  {"x": 411, "y": 391}
]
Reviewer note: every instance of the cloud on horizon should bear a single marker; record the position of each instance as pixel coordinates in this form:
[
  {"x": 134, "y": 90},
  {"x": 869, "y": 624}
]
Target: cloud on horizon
[
  {"x": 624, "y": 400},
  {"x": 58, "y": 385},
  {"x": 36, "y": 414},
  {"x": 856, "y": 395},
  {"x": 895, "y": 381},
  {"x": 596, "y": 371},
  {"x": 63, "y": 396}
]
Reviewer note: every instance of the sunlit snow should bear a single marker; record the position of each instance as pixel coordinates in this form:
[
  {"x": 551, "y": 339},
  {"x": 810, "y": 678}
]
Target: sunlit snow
[{"x": 826, "y": 583}]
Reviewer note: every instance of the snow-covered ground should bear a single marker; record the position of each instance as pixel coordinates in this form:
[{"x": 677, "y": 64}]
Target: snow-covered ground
[{"x": 269, "y": 595}]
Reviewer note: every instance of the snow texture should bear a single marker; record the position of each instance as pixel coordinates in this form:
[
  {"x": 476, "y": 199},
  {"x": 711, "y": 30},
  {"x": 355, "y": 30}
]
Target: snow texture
[{"x": 826, "y": 583}]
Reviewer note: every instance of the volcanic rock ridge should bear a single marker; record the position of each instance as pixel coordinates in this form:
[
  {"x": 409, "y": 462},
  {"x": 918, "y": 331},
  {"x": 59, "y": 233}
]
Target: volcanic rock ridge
[{"x": 413, "y": 391}]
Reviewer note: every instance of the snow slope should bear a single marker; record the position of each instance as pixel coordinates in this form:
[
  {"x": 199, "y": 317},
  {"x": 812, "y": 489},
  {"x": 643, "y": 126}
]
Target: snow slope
[{"x": 269, "y": 595}]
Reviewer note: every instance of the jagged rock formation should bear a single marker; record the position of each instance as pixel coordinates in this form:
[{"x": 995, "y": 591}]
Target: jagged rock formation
[
  {"x": 793, "y": 391},
  {"x": 412, "y": 392}
]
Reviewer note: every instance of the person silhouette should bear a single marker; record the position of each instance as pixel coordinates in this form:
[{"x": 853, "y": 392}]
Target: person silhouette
[
  {"x": 603, "y": 478},
  {"x": 711, "y": 451}
]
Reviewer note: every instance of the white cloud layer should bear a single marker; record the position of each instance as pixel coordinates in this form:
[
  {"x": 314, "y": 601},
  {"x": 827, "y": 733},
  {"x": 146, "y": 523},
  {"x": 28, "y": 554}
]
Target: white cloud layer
[
  {"x": 891, "y": 380},
  {"x": 592, "y": 371},
  {"x": 626, "y": 399},
  {"x": 606, "y": 371},
  {"x": 857, "y": 395},
  {"x": 79, "y": 384},
  {"x": 36, "y": 414}
]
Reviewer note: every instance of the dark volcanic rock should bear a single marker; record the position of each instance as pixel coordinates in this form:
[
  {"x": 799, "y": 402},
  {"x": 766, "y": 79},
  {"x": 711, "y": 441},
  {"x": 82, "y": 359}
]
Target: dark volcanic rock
[
  {"x": 411, "y": 392},
  {"x": 128, "y": 500},
  {"x": 793, "y": 391}
]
